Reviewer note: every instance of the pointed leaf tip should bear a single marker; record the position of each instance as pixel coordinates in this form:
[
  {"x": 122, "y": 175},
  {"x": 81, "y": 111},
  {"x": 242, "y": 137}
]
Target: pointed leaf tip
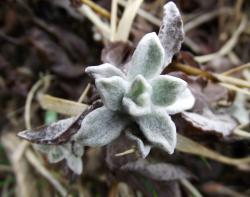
[
  {"x": 137, "y": 100},
  {"x": 148, "y": 58},
  {"x": 159, "y": 129},
  {"x": 111, "y": 91},
  {"x": 104, "y": 71}
]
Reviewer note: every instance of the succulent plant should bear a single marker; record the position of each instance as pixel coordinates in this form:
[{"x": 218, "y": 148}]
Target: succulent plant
[{"x": 138, "y": 95}]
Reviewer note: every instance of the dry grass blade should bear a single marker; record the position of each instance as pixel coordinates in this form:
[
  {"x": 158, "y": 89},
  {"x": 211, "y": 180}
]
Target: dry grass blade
[
  {"x": 61, "y": 106},
  {"x": 241, "y": 133},
  {"x": 236, "y": 69},
  {"x": 24, "y": 179},
  {"x": 232, "y": 80},
  {"x": 129, "y": 151},
  {"x": 206, "y": 17},
  {"x": 44, "y": 172},
  {"x": 194, "y": 192},
  {"x": 45, "y": 81},
  {"x": 113, "y": 22},
  {"x": 144, "y": 14},
  {"x": 228, "y": 82},
  {"x": 187, "y": 145},
  {"x": 84, "y": 94},
  {"x": 95, "y": 19},
  {"x": 127, "y": 20},
  {"x": 235, "y": 88},
  {"x": 30, "y": 96},
  {"x": 97, "y": 8},
  {"x": 230, "y": 44}
]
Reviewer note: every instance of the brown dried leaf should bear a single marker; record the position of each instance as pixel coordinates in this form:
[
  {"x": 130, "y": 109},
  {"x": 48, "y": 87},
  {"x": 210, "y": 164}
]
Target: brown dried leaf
[
  {"x": 220, "y": 124},
  {"x": 157, "y": 171},
  {"x": 58, "y": 132},
  {"x": 49, "y": 134},
  {"x": 119, "y": 145},
  {"x": 117, "y": 53},
  {"x": 152, "y": 188},
  {"x": 202, "y": 118}
]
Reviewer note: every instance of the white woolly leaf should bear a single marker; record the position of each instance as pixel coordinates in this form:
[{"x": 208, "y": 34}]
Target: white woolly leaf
[
  {"x": 75, "y": 164},
  {"x": 184, "y": 101},
  {"x": 171, "y": 32},
  {"x": 71, "y": 152},
  {"x": 100, "y": 127},
  {"x": 111, "y": 91},
  {"x": 148, "y": 58},
  {"x": 104, "y": 71},
  {"x": 56, "y": 154},
  {"x": 139, "y": 87},
  {"x": 77, "y": 149},
  {"x": 166, "y": 89},
  {"x": 159, "y": 129},
  {"x": 42, "y": 148},
  {"x": 136, "y": 110},
  {"x": 137, "y": 100}
]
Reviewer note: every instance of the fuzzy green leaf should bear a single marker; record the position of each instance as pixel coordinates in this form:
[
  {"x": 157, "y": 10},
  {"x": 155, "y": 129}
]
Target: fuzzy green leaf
[
  {"x": 71, "y": 152},
  {"x": 56, "y": 154},
  {"x": 148, "y": 58},
  {"x": 137, "y": 100},
  {"x": 184, "y": 101},
  {"x": 104, "y": 71},
  {"x": 75, "y": 164},
  {"x": 166, "y": 89},
  {"x": 111, "y": 91},
  {"x": 159, "y": 129},
  {"x": 100, "y": 127}
]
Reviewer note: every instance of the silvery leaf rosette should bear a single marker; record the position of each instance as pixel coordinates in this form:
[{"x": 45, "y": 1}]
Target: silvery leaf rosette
[
  {"x": 141, "y": 95},
  {"x": 138, "y": 95}
]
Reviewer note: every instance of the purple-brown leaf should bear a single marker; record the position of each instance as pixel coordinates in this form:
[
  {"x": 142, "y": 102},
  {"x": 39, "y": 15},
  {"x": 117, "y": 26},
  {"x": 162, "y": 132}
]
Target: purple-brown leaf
[{"x": 220, "y": 124}]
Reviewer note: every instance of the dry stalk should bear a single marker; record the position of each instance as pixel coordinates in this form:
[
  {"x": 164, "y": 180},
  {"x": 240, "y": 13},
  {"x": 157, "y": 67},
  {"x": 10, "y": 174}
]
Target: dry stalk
[
  {"x": 98, "y": 9},
  {"x": 84, "y": 93},
  {"x": 227, "y": 47}
]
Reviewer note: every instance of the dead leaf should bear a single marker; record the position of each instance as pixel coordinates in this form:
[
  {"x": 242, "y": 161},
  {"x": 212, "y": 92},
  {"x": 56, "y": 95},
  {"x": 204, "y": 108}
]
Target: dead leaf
[
  {"x": 171, "y": 33},
  {"x": 220, "y": 124},
  {"x": 157, "y": 171},
  {"x": 119, "y": 145},
  {"x": 117, "y": 53},
  {"x": 58, "y": 132}
]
